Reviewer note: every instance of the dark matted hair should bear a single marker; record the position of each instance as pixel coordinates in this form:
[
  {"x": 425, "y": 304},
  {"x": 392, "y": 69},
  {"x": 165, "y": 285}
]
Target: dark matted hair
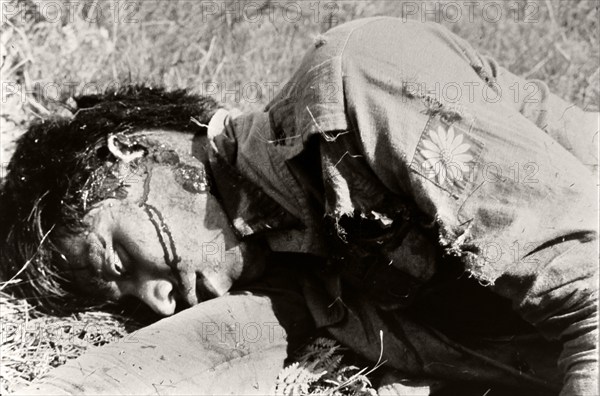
[{"x": 42, "y": 188}]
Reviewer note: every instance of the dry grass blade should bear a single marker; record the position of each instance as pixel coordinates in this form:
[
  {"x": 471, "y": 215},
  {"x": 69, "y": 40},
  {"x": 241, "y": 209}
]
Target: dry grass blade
[{"x": 15, "y": 277}]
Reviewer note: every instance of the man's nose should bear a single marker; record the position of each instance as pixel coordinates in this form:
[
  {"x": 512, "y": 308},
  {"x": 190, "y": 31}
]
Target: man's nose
[{"x": 158, "y": 294}]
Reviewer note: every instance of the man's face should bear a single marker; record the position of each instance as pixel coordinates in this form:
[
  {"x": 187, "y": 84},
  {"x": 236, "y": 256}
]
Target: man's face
[{"x": 163, "y": 243}]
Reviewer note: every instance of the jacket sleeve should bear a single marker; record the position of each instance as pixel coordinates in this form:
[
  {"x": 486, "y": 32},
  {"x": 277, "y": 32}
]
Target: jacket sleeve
[{"x": 501, "y": 178}]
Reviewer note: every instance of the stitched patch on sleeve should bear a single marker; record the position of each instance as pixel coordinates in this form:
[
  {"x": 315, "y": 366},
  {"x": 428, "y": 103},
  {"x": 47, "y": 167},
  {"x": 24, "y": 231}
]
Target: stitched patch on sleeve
[{"x": 447, "y": 154}]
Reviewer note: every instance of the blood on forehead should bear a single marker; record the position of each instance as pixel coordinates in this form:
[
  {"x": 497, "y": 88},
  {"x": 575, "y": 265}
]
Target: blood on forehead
[{"x": 121, "y": 159}]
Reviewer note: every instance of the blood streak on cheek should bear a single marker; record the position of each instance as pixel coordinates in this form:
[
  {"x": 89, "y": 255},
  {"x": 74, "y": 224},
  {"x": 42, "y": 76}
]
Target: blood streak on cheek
[{"x": 167, "y": 243}]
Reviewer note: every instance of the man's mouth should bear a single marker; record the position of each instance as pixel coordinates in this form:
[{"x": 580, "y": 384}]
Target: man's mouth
[
  {"x": 187, "y": 286},
  {"x": 195, "y": 288}
]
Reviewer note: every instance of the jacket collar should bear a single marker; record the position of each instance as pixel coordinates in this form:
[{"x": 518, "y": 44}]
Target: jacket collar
[{"x": 243, "y": 176}]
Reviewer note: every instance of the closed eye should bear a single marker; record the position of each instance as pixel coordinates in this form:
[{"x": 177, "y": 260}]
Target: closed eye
[{"x": 121, "y": 262}]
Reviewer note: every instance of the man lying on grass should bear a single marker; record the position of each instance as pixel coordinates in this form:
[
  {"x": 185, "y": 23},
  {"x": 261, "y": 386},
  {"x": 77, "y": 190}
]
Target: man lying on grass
[{"x": 463, "y": 229}]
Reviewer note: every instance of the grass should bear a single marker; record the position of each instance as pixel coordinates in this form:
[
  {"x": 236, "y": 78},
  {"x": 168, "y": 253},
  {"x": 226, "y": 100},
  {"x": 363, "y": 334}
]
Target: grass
[
  {"x": 240, "y": 57},
  {"x": 32, "y": 343}
]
